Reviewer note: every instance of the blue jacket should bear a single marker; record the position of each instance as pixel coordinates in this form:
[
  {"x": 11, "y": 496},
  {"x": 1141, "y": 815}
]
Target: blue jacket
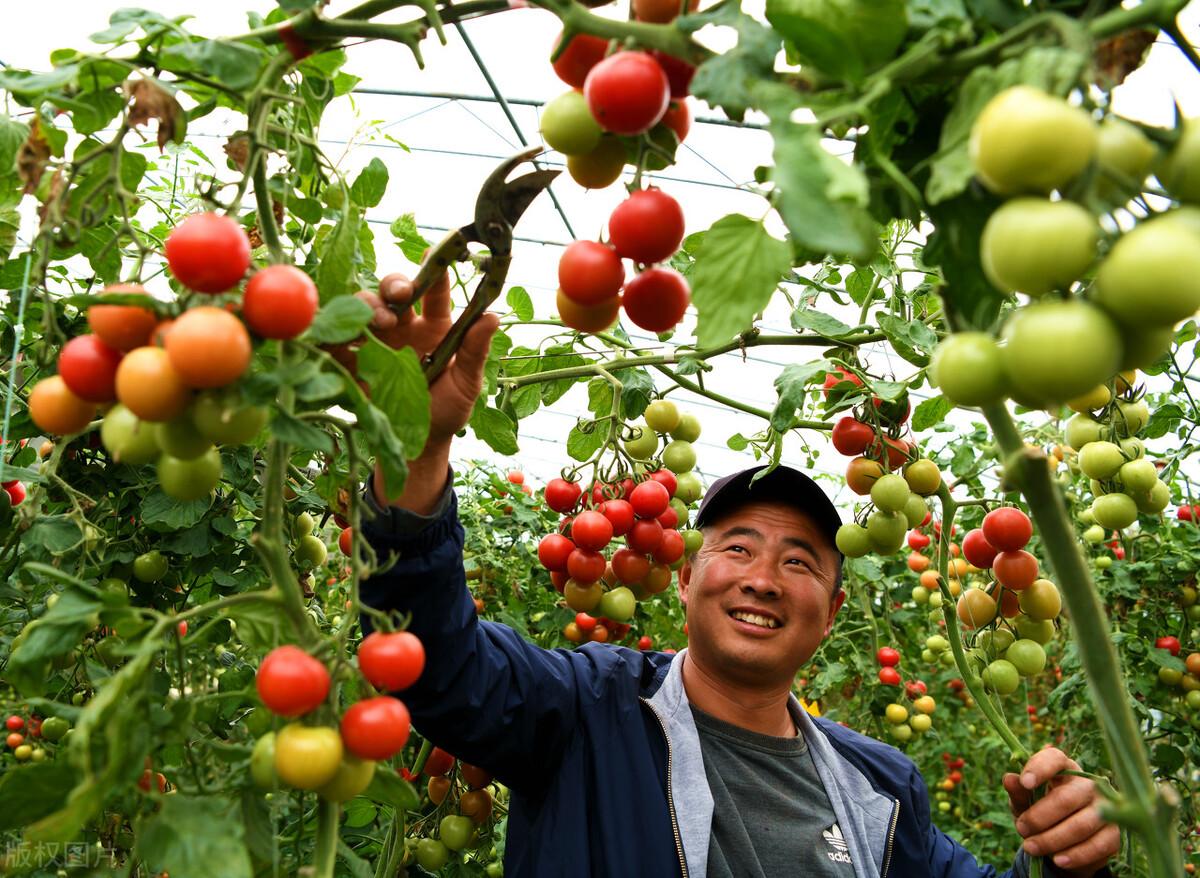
[{"x": 598, "y": 745}]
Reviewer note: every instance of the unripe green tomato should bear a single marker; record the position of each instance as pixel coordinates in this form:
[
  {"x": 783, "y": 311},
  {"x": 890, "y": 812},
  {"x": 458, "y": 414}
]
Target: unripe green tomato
[
  {"x": 995, "y": 642},
  {"x": 1150, "y": 279},
  {"x": 1085, "y": 517},
  {"x": 1001, "y": 677},
  {"x": 179, "y": 438},
  {"x": 681, "y": 512},
  {"x": 568, "y": 126},
  {"x": 618, "y": 604},
  {"x": 886, "y": 530},
  {"x": 1034, "y": 245},
  {"x": 189, "y": 480},
  {"x": 1032, "y": 629},
  {"x": 1132, "y": 447},
  {"x": 1027, "y": 656},
  {"x": 1114, "y": 511},
  {"x": 890, "y": 493},
  {"x": 353, "y": 776},
  {"x": 1025, "y": 140},
  {"x": 1154, "y": 501},
  {"x": 1037, "y": 337},
  {"x": 1170, "y": 676},
  {"x": 923, "y": 477},
  {"x": 54, "y": 728},
  {"x": 38, "y": 754},
  {"x": 692, "y": 541},
  {"x": 644, "y": 444},
  {"x": 688, "y": 428},
  {"x": 456, "y": 832},
  {"x": 853, "y": 540},
  {"x": 1193, "y": 613},
  {"x": 1100, "y": 460},
  {"x": 688, "y": 488},
  {"x": 1123, "y": 155},
  {"x": 127, "y": 438},
  {"x": 1082, "y": 429},
  {"x": 311, "y": 551},
  {"x": 150, "y": 566},
  {"x": 432, "y": 855},
  {"x": 915, "y": 510},
  {"x": 928, "y": 656},
  {"x": 920, "y": 595},
  {"x": 679, "y": 456},
  {"x": 1138, "y": 476},
  {"x": 902, "y": 732},
  {"x": 969, "y": 370},
  {"x": 225, "y": 419},
  {"x": 262, "y": 763},
  {"x": 662, "y": 415},
  {"x": 944, "y": 807},
  {"x": 494, "y": 869},
  {"x": 1094, "y": 534},
  {"x": 302, "y": 525},
  {"x": 947, "y": 659},
  {"x": 23, "y": 753},
  {"x": 935, "y": 599},
  {"x": 1180, "y": 171},
  {"x": 936, "y": 642},
  {"x": 1104, "y": 562},
  {"x": 1193, "y": 699},
  {"x": 1131, "y": 417},
  {"x": 1143, "y": 347}
]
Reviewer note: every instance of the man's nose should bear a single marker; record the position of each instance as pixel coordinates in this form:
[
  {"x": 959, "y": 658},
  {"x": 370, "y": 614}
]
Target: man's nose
[{"x": 762, "y": 578}]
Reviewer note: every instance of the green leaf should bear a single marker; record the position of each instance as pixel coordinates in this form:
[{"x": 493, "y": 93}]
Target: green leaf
[
  {"x": 637, "y": 388},
  {"x": 189, "y": 835},
  {"x": 520, "y": 302},
  {"x": 1163, "y": 419},
  {"x": 582, "y": 445},
  {"x": 1169, "y": 759},
  {"x": 27, "y": 86},
  {"x": 389, "y": 788},
  {"x": 100, "y": 245},
  {"x": 408, "y": 238},
  {"x": 54, "y": 533},
  {"x": 791, "y": 384},
  {"x": 323, "y": 385},
  {"x": 259, "y": 625},
  {"x": 496, "y": 429},
  {"x": 912, "y": 339},
  {"x": 822, "y": 199},
  {"x": 821, "y": 323},
  {"x": 738, "y": 268},
  {"x": 12, "y": 135},
  {"x": 398, "y": 390},
  {"x": 158, "y": 508},
  {"x": 233, "y": 64},
  {"x": 298, "y": 433},
  {"x": 841, "y": 38},
  {"x": 930, "y": 412},
  {"x": 954, "y": 247},
  {"x": 738, "y": 442},
  {"x": 340, "y": 320},
  {"x": 370, "y": 184},
  {"x": 1053, "y": 70},
  {"x": 729, "y": 80},
  {"x": 337, "y": 267},
  {"x": 30, "y": 792},
  {"x": 600, "y": 396},
  {"x": 54, "y": 634}
]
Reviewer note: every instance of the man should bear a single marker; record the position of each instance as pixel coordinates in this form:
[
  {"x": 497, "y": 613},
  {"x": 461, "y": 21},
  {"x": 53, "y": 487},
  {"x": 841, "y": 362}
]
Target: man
[{"x": 644, "y": 764}]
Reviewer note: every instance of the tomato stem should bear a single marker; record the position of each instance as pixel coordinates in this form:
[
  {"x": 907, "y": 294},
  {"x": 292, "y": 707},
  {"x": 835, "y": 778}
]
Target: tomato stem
[{"x": 325, "y": 855}]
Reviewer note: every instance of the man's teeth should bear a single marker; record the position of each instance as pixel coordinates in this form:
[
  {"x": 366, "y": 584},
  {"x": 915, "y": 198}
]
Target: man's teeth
[{"x": 761, "y": 621}]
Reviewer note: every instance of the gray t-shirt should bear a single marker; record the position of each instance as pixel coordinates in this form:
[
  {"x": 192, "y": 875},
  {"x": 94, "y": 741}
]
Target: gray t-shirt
[{"x": 771, "y": 816}]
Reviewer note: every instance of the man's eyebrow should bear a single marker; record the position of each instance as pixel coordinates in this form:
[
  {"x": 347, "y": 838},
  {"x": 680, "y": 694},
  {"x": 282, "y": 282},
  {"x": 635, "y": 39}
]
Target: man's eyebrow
[{"x": 798, "y": 542}]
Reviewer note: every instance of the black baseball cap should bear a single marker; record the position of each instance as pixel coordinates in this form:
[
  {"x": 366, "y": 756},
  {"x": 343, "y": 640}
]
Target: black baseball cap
[{"x": 782, "y": 485}]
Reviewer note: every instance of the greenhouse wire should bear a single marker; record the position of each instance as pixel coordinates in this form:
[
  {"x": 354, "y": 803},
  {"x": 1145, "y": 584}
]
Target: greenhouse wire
[{"x": 18, "y": 334}]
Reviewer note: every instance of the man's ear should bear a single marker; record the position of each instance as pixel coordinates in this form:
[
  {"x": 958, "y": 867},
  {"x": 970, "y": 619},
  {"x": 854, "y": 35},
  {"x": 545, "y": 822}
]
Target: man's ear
[
  {"x": 835, "y": 604},
  {"x": 685, "y": 582}
]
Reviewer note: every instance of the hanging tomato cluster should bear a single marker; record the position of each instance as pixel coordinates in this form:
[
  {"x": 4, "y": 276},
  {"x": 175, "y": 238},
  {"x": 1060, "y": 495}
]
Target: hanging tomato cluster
[
  {"x": 904, "y": 721},
  {"x": 173, "y": 381}
]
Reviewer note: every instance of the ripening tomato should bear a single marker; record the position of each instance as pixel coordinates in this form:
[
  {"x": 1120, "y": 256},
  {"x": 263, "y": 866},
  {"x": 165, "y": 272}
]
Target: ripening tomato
[
  {"x": 627, "y": 92},
  {"x": 16, "y": 494},
  {"x": 208, "y": 252},
  {"x": 393, "y": 661},
  {"x": 475, "y": 777},
  {"x": 561, "y": 495},
  {"x": 1016, "y": 569},
  {"x": 567, "y": 124},
  {"x": 376, "y": 728},
  {"x": 581, "y": 54},
  {"x": 862, "y": 473},
  {"x": 149, "y": 386},
  {"x": 620, "y": 513},
  {"x": 590, "y": 273},
  {"x": 679, "y": 119},
  {"x": 553, "y": 551},
  {"x": 1169, "y": 643},
  {"x": 647, "y": 227},
  {"x": 656, "y": 299},
  {"x": 1007, "y": 528},
  {"x": 660, "y": 11},
  {"x": 280, "y": 302},
  {"x": 601, "y": 167},
  {"x": 58, "y": 411},
  {"x": 977, "y": 550},
  {"x": 291, "y": 682},
  {"x": 585, "y": 566},
  {"x": 122, "y": 327},
  {"x": 307, "y": 757},
  {"x": 208, "y": 347},
  {"x": 587, "y": 318},
  {"x": 345, "y": 540},
  {"x": 591, "y": 530}
]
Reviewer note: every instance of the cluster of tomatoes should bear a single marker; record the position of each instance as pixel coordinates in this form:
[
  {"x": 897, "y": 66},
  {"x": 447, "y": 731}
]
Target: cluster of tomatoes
[
  {"x": 337, "y": 763},
  {"x": 26, "y": 734},
  {"x": 451, "y": 783},
  {"x": 1024, "y": 146},
  {"x": 954, "y": 777},
  {"x": 904, "y": 721},
  {"x": 172, "y": 381},
  {"x": 1188, "y": 680},
  {"x": 899, "y": 504},
  {"x": 646, "y": 228}
]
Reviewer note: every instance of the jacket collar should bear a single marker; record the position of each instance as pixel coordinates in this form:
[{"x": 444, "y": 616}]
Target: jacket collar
[{"x": 864, "y": 814}]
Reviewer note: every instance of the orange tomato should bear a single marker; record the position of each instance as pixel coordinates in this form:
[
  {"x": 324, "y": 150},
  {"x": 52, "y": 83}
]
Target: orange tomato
[
  {"x": 149, "y": 386},
  {"x": 862, "y": 473},
  {"x": 122, "y": 327},
  {"x": 588, "y": 318},
  {"x": 209, "y": 347},
  {"x": 55, "y": 409},
  {"x": 917, "y": 562}
]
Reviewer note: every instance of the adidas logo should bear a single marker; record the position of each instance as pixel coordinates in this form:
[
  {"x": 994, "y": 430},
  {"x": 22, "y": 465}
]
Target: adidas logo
[{"x": 839, "y": 852}]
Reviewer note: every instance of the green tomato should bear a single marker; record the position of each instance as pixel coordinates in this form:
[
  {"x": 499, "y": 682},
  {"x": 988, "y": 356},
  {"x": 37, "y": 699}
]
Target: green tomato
[
  {"x": 302, "y": 525},
  {"x": 1156, "y": 500},
  {"x": 687, "y": 430},
  {"x": 1131, "y": 417},
  {"x": 1104, "y": 562},
  {"x": 456, "y": 832},
  {"x": 681, "y": 512},
  {"x": 886, "y": 531},
  {"x": 1144, "y": 347},
  {"x": 307, "y": 757},
  {"x": 692, "y": 541},
  {"x": 1001, "y": 677},
  {"x": 1124, "y": 155},
  {"x": 188, "y": 480},
  {"x": 1032, "y": 629},
  {"x": 1114, "y": 511},
  {"x": 920, "y": 596},
  {"x": 902, "y": 732},
  {"x": 643, "y": 445},
  {"x": 679, "y": 456},
  {"x": 108, "y": 650},
  {"x": 1034, "y": 245},
  {"x": 568, "y": 125},
  {"x": 969, "y": 370},
  {"x": 262, "y": 763},
  {"x": 223, "y": 419},
  {"x": 688, "y": 488},
  {"x": 852, "y": 540},
  {"x": 935, "y": 600},
  {"x": 890, "y": 493},
  {"x": 915, "y": 510},
  {"x": 937, "y": 643},
  {"x": 257, "y": 722},
  {"x": 923, "y": 477},
  {"x": 1138, "y": 476},
  {"x": 994, "y": 642},
  {"x": 1059, "y": 350},
  {"x": 1083, "y": 429},
  {"x": 1027, "y": 656},
  {"x": 1025, "y": 140},
  {"x": 1100, "y": 460},
  {"x": 150, "y": 566},
  {"x": 1193, "y": 699},
  {"x": 179, "y": 438},
  {"x": 54, "y": 728},
  {"x": 1170, "y": 676},
  {"x": 1132, "y": 447},
  {"x": 662, "y": 416},
  {"x": 23, "y": 753},
  {"x": 1150, "y": 279},
  {"x": 618, "y": 604},
  {"x": 127, "y": 438},
  {"x": 1180, "y": 171},
  {"x": 432, "y": 855},
  {"x": 494, "y": 869},
  {"x": 1094, "y": 534},
  {"x": 353, "y": 776},
  {"x": 311, "y": 552}
]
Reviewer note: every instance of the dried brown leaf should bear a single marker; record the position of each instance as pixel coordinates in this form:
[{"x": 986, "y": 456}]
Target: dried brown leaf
[
  {"x": 148, "y": 101},
  {"x": 33, "y": 157}
]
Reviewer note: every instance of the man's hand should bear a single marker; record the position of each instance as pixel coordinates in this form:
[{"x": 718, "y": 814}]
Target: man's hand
[
  {"x": 454, "y": 392},
  {"x": 1065, "y": 824}
]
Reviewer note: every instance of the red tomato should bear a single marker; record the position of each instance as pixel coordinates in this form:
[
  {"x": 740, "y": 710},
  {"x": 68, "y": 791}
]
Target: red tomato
[
  {"x": 590, "y": 272},
  {"x": 582, "y": 54},
  {"x": 917, "y": 540},
  {"x": 670, "y": 547},
  {"x": 627, "y": 92},
  {"x": 391, "y": 662},
  {"x": 208, "y": 252},
  {"x": 1118, "y": 552},
  {"x": 679, "y": 119},
  {"x": 584, "y": 622},
  {"x": 591, "y": 530},
  {"x": 476, "y": 777},
  {"x": 887, "y": 656},
  {"x": 840, "y": 376},
  {"x": 16, "y": 494},
  {"x": 897, "y": 452},
  {"x": 561, "y": 495},
  {"x": 650, "y": 499},
  {"x": 376, "y": 728},
  {"x": 1170, "y": 644},
  {"x": 977, "y": 550},
  {"x": 1007, "y": 528},
  {"x": 1184, "y": 513},
  {"x": 438, "y": 763},
  {"x": 585, "y": 566},
  {"x": 1015, "y": 570},
  {"x": 559, "y": 579},
  {"x": 889, "y": 676},
  {"x": 553, "y": 551},
  {"x": 620, "y": 514},
  {"x": 851, "y": 436},
  {"x": 291, "y": 682},
  {"x": 345, "y": 540},
  {"x": 667, "y": 479},
  {"x": 602, "y": 492},
  {"x": 668, "y": 519},
  {"x": 516, "y": 477},
  {"x": 122, "y": 327},
  {"x": 656, "y": 299},
  {"x": 644, "y": 643},
  {"x": 645, "y": 536},
  {"x": 14, "y": 723},
  {"x": 280, "y": 302},
  {"x": 679, "y": 73},
  {"x": 647, "y": 227},
  {"x": 629, "y": 566}
]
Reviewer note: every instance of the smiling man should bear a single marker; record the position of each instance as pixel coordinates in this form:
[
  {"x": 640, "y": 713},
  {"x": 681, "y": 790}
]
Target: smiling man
[{"x": 623, "y": 763}]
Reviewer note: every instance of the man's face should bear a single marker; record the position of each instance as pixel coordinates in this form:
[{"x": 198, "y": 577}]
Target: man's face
[{"x": 759, "y": 594}]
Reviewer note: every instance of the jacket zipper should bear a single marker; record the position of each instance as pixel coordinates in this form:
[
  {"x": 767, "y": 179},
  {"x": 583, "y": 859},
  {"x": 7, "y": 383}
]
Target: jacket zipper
[
  {"x": 670, "y": 798},
  {"x": 887, "y": 853}
]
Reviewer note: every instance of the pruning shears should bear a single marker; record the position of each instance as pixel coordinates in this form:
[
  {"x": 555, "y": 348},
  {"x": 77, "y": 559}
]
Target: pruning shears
[{"x": 500, "y": 204}]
